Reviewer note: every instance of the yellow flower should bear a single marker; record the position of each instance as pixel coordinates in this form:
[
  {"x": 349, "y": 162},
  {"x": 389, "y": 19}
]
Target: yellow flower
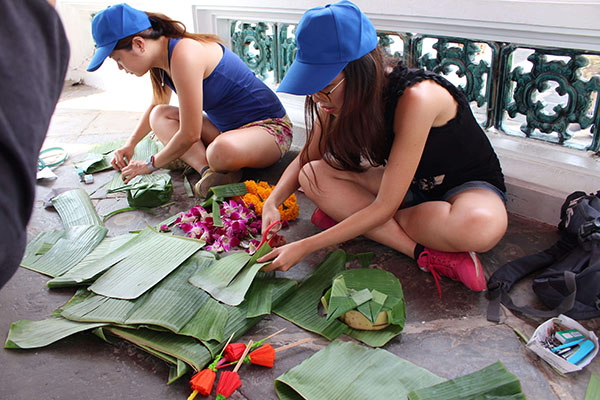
[{"x": 259, "y": 192}]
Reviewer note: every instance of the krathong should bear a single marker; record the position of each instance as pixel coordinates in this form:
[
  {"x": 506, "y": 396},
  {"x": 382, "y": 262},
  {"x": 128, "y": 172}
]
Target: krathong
[{"x": 258, "y": 192}]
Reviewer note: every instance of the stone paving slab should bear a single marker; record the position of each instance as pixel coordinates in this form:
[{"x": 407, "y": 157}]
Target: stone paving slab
[{"x": 450, "y": 337}]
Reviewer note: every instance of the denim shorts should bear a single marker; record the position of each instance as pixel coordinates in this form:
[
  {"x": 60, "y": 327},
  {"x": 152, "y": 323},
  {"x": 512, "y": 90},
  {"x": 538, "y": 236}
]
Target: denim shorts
[{"x": 415, "y": 196}]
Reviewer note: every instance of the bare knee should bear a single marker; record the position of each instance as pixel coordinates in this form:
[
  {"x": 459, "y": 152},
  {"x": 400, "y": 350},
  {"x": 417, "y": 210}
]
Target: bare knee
[
  {"x": 222, "y": 155},
  {"x": 313, "y": 176},
  {"x": 484, "y": 228},
  {"x": 160, "y": 116}
]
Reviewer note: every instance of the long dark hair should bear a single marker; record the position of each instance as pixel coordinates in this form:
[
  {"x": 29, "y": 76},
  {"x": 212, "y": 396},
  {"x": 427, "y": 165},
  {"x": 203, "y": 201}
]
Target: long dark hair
[
  {"x": 358, "y": 134},
  {"x": 163, "y": 26}
]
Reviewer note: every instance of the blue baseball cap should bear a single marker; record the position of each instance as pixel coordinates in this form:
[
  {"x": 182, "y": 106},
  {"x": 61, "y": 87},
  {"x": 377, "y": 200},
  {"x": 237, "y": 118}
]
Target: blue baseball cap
[
  {"x": 113, "y": 24},
  {"x": 327, "y": 39}
]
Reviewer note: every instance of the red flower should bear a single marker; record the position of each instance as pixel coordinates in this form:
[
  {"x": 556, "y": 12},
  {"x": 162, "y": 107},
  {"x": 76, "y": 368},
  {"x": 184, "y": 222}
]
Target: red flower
[
  {"x": 228, "y": 383},
  {"x": 264, "y": 355},
  {"x": 203, "y": 381},
  {"x": 234, "y": 351}
]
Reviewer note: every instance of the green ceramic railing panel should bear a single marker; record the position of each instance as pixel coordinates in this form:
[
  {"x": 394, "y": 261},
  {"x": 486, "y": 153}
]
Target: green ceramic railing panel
[{"x": 503, "y": 95}]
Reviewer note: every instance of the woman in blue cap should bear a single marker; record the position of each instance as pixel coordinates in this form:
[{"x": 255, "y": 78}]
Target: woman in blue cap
[
  {"x": 395, "y": 155},
  {"x": 245, "y": 124}
]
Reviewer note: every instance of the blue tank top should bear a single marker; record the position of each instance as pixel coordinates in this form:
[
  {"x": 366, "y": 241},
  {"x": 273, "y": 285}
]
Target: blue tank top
[{"x": 232, "y": 95}]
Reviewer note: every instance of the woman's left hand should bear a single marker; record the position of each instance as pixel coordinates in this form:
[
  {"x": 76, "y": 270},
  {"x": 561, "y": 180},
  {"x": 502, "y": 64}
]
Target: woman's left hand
[
  {"x": 133, "y": 169},
  {"x": 284, "y": 257}
]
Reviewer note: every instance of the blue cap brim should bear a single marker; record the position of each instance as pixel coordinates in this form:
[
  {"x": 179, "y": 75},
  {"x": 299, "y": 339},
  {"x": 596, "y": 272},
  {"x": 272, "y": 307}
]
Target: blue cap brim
[
  {"x": 305, "y": 79},
  {"x": 100, "y": 55}
]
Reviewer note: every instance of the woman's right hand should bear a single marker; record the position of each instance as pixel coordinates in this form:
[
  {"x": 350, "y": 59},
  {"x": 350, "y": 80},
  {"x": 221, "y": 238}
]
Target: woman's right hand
[
  {"x": 270, "y": 214},
  {"x": 122, "y": 157}
]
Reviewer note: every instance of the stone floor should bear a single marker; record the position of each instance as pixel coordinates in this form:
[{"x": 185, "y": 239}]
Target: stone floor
[{"x": 450, "y": 337}]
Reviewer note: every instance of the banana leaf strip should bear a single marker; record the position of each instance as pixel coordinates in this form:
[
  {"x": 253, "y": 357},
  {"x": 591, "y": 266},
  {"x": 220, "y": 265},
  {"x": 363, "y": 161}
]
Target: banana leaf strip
[
  {"x": 170, "y": 304},
  {"x": 33, "y": 334},
  {"x": 348, "y": 371},
  {"x": 260, "y": 295},
  {"x": 152, "y": 261},
  {"x": 343, "y": 299},
  {"x": 184, "y": 348},
  {"x": 229, "y": 278},
  {"x": 188, "y": 187},
  {"x": 491, "y": 382},
  {"x": 94, "y": 163},
  {"x": 231, "y": 190},
  {"x": 76, "y": 275},
  {"x": 371, "y": 309},
  {"x": 76, "y": 243},
  {"x": 75, "y": 208},
  {"x": 593, "y": 390}
]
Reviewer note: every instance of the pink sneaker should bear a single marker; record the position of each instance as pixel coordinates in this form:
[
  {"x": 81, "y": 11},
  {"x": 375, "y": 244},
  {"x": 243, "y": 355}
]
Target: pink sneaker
[
  {"x": 322, "y": 220},
  {"x": 463, "y": 266}
]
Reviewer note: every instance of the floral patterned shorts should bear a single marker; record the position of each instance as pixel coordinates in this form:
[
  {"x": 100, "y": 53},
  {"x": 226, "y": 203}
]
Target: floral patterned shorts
[{"x": 280, "y": 128}]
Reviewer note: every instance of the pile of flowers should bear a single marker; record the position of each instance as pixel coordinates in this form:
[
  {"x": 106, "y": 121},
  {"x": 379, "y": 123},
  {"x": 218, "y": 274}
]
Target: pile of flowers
[
  {"x": 258, "y": 192},
  {"x": 240, "y": 226}
]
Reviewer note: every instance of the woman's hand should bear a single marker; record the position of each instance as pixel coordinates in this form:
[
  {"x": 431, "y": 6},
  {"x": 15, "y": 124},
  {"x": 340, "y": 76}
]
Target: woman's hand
[
  {"x": 122, "y": 156},
  {"x": 285, "y": 257},
  {"x": 134, "y": 169},
  {"x": 270, "y": 214}
]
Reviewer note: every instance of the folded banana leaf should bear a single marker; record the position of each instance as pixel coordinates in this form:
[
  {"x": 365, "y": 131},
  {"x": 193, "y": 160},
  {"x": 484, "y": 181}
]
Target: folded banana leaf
[
  {"x": 32, "y": 334},
  {"x": 95, "y": 163},
  {"x": 348, "y": 371},
  {"x": 77, "y": 275},
  {"x": 144, "y": 149},
  {"x": 491, "y": 382},
  {"x": 137, "y": 273},
  {"x": 147, "y": 191},
  {"x": 229, "y": 278}
]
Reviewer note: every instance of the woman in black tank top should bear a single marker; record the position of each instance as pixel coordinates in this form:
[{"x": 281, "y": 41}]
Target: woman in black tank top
[{"x": 394, "y": 155}]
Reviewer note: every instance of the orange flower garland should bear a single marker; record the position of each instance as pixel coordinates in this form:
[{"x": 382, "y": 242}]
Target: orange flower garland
[{"x": 258, "y": 192}]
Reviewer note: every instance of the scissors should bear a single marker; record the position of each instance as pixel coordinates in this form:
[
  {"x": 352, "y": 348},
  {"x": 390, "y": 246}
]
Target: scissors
[{"x": 270, "y": 236}]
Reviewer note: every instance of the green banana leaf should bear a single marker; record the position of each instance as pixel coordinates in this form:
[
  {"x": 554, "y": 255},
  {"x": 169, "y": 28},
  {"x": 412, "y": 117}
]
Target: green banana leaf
[
  {"x": 170, "y": 304},
  {"x": 141, "y": 270},
  {"x": 260, "y": 295},
  {"x": 144, "y": 149},
  {"x": 77, "y": 275},
  {"x": 209, "y": 322},
  {"x": 95, "y": 163},
  {"x": 147, "y": 191},
  {"x": 491, "y": 382},
  {"x": 348, "y": 371},
  {"x": 184, "y": 348},
  {"x": 229, "y": 278},
  {"x": 302, "y": 308},
  {"x": 75, "y": 208},
  {"x": 32, "y": 334},
  {"x": 106, "y": 148},
  {"x": 75, "y": 244},
  {"x": 593, "y": 390},
  {"x": 343, "y": 299}
]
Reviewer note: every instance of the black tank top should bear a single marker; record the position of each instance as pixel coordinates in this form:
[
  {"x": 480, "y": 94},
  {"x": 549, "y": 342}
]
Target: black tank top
[{"x": 455, "y": 153}]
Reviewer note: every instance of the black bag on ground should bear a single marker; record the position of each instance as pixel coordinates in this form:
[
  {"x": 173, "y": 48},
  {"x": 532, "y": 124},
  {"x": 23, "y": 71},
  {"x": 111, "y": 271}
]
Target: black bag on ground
[{"x": 570, "y": 281}]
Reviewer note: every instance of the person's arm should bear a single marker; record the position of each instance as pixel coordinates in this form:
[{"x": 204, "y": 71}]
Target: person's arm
[
  {"x": 189, "y": 64},
  {"x": 414, "y": 117},
  {"x": 288, "y": 183}
]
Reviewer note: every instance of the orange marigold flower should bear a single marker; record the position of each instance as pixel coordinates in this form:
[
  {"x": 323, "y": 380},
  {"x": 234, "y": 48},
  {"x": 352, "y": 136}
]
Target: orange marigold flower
[
  {"x": 251, "y": 186},
  {"x": 264, "y": 185}
]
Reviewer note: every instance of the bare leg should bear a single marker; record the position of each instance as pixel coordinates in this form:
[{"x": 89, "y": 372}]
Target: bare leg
[{"x": 473, "y": 220}]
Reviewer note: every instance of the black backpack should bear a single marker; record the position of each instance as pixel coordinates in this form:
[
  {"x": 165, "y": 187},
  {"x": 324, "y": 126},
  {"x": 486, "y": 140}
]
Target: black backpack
[{"x": 570, "y": 279}]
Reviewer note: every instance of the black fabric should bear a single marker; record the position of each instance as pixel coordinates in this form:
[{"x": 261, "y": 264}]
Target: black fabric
[
  {"x": 35, "y": 55},
  {"x": 455, "y": 153},
  {"x": 569, "y": 282}
]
